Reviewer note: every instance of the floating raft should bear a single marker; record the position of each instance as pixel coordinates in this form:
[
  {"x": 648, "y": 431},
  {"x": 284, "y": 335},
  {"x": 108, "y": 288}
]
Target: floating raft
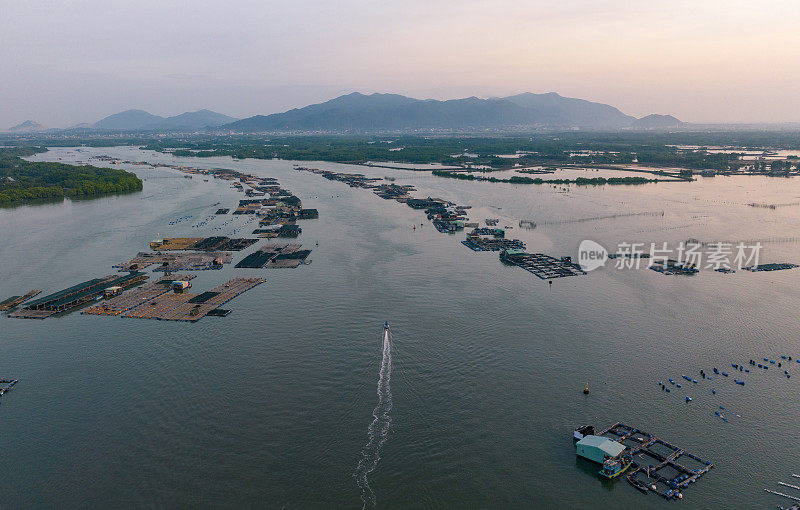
[
  {"x": 658, "y": 466},
  {"x": 191, "y": 307},
  {"x": 771, "y": 267},
  {"x": 671, "y": 267},
  {"x": 8, "y": 385},
  {"x": 216, "y": 243},
  {"x": 135, "y": 297},
  {"x": 15, "y": 301},
  {"x": 275, "y": 256},
  {"x": 188, "y": 261},
  {"x": 76, "y": 296},
  {"x": 477, "y": 243},
  {"x": 541, "y": 265}
]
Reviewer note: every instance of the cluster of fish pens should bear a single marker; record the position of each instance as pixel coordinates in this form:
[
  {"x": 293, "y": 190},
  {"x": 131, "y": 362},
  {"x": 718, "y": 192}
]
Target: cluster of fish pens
[
  {"x": 658, "y": 466},
  {"x": 275, "y": 256},
  {"x": 139, "y": 295},
  {"x": 170, "y": 262},
  {"x": 77, "y": 296},
  {"x": 184, "y": 306},
  {"x": 167, "y": 298},
  {"x": 449, "y": 218},
  {"x": 15, "y": 301}
]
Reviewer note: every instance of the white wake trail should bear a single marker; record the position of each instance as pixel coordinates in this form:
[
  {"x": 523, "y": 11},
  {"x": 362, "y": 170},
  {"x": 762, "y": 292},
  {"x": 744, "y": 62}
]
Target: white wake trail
[{"x": 378, "y": 430}]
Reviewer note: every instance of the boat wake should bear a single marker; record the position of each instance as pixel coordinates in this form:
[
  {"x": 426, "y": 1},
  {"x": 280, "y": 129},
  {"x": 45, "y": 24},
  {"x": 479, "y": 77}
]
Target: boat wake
[{"x": 378, "y": 430}]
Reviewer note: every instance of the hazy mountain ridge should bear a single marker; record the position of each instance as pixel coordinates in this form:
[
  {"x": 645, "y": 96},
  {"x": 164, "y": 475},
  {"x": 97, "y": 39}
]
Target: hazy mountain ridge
[
  {"x": 656, "y": 121},
  {"x": 29, "y": 126},
  {"x": 356, "y": 112},
  {"x": 140, "y": 120},
  {"x": 375, "y": 112}
]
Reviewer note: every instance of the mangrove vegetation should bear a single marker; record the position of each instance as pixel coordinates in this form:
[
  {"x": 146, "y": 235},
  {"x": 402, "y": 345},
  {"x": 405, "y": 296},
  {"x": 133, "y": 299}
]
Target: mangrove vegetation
[{"x": 23, "y": 181}]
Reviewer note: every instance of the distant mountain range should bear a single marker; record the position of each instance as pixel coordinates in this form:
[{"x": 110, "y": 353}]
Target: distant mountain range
[
  {"x": 391, "y": 112},
  {"x": 140, "y": 120},
  {"x": 358, "y": 113},
  {"x": 28, "y": 126},
  {"x": 656, "y": 121}
]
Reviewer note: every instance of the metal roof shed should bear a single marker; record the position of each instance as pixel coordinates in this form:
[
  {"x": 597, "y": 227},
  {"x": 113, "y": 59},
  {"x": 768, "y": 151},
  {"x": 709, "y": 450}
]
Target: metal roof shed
[{"x": 597, "y": 448}]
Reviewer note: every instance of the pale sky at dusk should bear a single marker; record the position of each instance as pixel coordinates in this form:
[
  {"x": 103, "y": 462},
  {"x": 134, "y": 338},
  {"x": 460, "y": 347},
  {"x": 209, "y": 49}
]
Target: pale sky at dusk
[{"x": 702, "y": 61}]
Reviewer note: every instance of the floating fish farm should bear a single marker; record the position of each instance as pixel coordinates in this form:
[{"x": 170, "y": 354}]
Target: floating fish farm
[
  {"x": 771, "y": 267},
  {"x": 136, "y": 296},
  {"x": 450, "y": 218},
  {"x": 168, "y": 262},
  {"x": 76, "y": 296},
  {"x": 671, "y": 267},
  {"x": 15, "y": 301},
  {"x": 658, "y": 466},
  {"x": 541, "y": 265},
  {"x": 168, "y": 298},
  {"x": 217, "y": 243},
  {"x": 187, "y": 307},
  {"x": 476, "y": 243},
  {"x": 275, "y": 256}
]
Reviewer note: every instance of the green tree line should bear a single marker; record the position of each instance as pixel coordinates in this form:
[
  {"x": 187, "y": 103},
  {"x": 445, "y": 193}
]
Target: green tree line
[
  {"x": 516, "y": 179},
  {"x": 23, "y": 181}
]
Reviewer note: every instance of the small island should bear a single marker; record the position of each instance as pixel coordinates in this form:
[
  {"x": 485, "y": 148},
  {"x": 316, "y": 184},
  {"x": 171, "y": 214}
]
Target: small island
[{"x": 23, "y": 181}]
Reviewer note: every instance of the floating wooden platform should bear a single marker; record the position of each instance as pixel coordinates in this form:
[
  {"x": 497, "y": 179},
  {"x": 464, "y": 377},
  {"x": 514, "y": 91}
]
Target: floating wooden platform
[
  {"x": 658, "y": 466},
  {"x": 541, "y": 265},
  {"x": 216, "y": 243},
  {"x": 175, "y": 243},
  {"x": 275, "y": 256},
  {"x": 477, "y": 243},
  {"x": 188, "y": 261},
  {"x": 135, "y": 297},
  {"x": 15, "y": 301},
  {"x": 771, "y": 267},
  {"x": 76, "y": 296},
  {"x": 191, "y": 307}
]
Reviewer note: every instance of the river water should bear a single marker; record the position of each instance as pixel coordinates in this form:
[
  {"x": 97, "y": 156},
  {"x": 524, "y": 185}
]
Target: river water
[{"x": 272, "y": 405}]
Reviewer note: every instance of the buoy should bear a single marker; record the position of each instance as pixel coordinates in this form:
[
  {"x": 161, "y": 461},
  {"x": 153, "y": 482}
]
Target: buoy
[{"x": 586, "y": 389}]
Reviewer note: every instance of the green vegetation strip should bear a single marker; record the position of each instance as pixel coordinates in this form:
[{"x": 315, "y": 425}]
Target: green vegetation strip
[
  {"x": 580, "y": 181},
  {"x": 24, "y": 181}
]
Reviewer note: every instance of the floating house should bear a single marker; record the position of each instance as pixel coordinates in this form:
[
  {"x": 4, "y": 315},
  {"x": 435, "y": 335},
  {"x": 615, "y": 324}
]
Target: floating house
[{"x": 598, "y": 449}]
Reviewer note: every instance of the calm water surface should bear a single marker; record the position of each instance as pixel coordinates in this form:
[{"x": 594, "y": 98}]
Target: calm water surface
[{"x": 269, "y": 407}]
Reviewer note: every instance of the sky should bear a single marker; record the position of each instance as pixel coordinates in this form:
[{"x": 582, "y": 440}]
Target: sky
[{"x": 63, "y": 63}]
